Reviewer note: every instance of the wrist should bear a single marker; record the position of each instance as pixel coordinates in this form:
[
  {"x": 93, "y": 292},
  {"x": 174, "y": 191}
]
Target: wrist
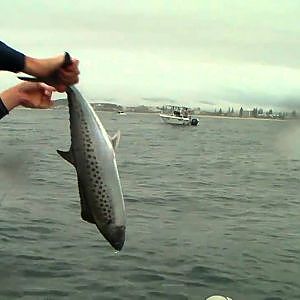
[
  {"x": 32, "y": 66},
  {"x": 11, "y": 98},
  {"x": 42, "y": 67}
]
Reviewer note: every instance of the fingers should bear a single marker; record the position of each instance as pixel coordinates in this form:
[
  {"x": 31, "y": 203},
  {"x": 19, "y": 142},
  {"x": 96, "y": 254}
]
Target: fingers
[
  {"x": 41, "y": 96},
  {"x": 46, "y": 92},
  {"x": 61, "y": 88},
  {"x": 46, "y": 102},
  {"x": 35, "y": 95},
  {"x": 47, "y": 88},
  {"x": 70, "y": 74},
  {"x": 73, "y": 67}
]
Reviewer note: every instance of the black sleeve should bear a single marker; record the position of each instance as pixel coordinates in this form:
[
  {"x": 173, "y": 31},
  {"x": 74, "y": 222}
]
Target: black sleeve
[
  {"x": 3, "y": 109},
  {"x": 10, "y": 59}
]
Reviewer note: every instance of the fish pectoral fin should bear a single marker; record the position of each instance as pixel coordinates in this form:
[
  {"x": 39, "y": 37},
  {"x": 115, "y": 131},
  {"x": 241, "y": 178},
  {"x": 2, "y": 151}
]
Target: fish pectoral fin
[
  {"x": 86, "y": 214},
  {"x": 67, "y": 155},
  {"x": 115, "y": 139}
]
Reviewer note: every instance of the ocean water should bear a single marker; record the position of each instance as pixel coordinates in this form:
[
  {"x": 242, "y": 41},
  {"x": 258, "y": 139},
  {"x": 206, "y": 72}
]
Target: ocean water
[{"x": 212, "y": 209}]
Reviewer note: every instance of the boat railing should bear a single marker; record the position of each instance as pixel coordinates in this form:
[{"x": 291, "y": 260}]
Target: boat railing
[{"x": 177, "y": 111}]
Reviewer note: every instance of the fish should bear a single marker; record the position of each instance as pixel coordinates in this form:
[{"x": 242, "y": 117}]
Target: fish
[{"x": 92, "y": 153}]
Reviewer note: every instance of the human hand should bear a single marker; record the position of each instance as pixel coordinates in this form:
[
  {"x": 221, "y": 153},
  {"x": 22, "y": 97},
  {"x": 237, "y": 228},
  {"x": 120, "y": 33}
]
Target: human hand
[
  {"x": 66, "y": 76},
  {"x": 35, "y": 95},
  {"x": 53, "y": 69},
  {"x": 28, "y": 94}
]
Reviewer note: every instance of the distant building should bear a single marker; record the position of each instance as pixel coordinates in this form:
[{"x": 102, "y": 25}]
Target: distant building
[{"x": 247, "y": 113}]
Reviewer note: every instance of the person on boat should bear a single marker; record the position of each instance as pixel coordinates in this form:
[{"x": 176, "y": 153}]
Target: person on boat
[
  {"x": 185, "y": 113},
  {"x": 177, "y": 113},
  {"x": 33, "y": 94}
]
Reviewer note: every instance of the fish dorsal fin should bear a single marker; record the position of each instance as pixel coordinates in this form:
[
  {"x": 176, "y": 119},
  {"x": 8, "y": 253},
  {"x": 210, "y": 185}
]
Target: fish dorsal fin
[
  {"x": 115, "y": 139},
  {"x": 67, "y": 155}
]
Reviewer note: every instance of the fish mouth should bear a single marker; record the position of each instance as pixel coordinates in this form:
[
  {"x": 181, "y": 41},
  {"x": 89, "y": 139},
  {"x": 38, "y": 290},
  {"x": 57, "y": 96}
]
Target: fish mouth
[{"x": 115, "y": 235}]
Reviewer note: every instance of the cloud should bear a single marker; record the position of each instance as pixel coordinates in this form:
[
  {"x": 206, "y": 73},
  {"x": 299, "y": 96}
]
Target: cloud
[{"x": 216, "y": 53}]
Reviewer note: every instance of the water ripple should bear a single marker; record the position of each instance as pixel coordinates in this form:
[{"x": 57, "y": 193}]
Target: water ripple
[{"x": 211, "y": 210}]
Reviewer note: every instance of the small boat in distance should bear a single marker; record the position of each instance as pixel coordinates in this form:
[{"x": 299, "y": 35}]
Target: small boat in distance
[
  {"x": 120, "y": 112},
  {"x": 177, "y": 115}
]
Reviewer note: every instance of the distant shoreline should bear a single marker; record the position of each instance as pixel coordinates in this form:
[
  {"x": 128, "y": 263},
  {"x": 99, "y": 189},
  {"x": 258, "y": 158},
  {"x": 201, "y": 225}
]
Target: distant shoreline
[
  {"x": 240, "y": 118},
  {"x": 157, "y": 113},
  {"x": 213, "y": 117}
]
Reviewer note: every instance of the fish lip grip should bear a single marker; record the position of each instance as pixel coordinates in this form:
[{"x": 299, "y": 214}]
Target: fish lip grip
[{"x": 67, "y": 61}]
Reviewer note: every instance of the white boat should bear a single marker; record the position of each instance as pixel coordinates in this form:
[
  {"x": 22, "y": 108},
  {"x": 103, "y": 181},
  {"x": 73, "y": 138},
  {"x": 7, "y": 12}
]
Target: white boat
[
  {"x": 174, "y": 120},
  {"x": 122, "y": 113},
  {"x": 177, "y": 115}
]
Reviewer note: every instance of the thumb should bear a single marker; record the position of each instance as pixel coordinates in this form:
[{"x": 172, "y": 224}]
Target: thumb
[{"x": 47, "y": 88}]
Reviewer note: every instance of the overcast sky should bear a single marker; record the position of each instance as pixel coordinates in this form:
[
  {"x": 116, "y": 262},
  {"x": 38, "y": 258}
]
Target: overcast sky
[{"x": 191, "y": 52}]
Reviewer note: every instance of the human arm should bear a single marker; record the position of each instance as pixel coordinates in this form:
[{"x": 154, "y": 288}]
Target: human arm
[
  {"x": 15, "y": 61},
  {"x": 10, "y": 59}
]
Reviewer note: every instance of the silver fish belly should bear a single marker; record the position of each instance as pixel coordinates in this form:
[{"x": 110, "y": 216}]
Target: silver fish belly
[{"x": 92, "y": 153}]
